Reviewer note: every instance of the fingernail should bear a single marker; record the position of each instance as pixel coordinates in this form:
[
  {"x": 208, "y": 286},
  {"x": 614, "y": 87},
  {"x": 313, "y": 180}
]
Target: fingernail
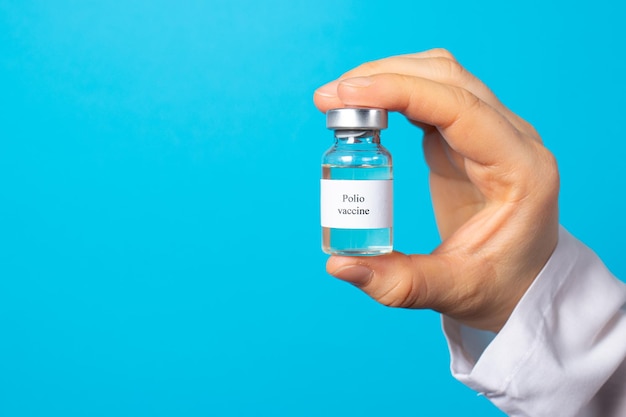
[
  {"x": 328, "y": 90},
  {"x": 357, "y": 82},
  {"x": 358, "y": 275}
]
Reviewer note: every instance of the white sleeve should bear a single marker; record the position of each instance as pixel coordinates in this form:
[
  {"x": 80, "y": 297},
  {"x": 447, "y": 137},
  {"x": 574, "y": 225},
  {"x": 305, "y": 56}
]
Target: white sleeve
[{"x": 563, "y": 350}]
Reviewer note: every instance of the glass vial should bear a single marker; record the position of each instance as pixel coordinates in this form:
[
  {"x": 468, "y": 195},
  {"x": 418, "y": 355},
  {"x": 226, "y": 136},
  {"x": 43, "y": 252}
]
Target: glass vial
[{"x": 357, "y": 185}]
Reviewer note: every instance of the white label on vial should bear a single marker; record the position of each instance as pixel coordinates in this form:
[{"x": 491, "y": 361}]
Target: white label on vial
[{"x": 357, "y": 204}]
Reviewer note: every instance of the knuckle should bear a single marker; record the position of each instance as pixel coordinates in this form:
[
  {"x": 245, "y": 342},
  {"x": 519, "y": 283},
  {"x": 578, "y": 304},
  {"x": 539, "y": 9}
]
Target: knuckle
[
  {"x": 467, "y": 105},
  {"x": 452, "y": 70},
  {"x": 527, "y": 128},
  {"x": 551, "y": 172},
  {"x": 538, "y": 176},
  {"x": 467, "y": 100},
  {"x": 444, "y": 53},
  {"x": 400, "y": 293}
]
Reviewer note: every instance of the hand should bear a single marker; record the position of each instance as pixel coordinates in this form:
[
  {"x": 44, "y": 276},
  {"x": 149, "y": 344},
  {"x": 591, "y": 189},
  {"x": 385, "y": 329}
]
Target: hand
[{"x": 494, "y": 188}]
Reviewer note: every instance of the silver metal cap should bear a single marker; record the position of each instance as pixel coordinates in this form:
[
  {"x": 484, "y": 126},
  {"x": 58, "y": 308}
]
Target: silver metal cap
[{"x": 356, "y": 118}]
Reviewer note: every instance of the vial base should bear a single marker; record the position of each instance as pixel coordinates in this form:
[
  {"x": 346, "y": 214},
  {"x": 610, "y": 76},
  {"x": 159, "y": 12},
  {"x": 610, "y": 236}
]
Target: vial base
[{"x": 357, "y": 242}]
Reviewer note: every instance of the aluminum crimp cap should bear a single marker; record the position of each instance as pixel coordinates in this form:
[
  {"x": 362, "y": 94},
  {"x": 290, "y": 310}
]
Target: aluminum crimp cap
[{"x": 356, "y": 118}]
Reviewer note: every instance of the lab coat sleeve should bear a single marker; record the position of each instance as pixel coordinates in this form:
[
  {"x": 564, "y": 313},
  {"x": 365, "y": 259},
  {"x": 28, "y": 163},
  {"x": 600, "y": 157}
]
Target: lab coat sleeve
[{"x": 563, "y": 350}]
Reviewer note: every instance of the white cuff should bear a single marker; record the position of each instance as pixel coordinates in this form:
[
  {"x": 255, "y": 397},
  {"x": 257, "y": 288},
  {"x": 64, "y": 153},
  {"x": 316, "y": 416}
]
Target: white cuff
[{"x": 563, "y": 341}]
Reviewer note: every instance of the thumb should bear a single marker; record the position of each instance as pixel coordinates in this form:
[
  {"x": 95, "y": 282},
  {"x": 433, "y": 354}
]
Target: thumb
[
  {"x": 459, "y": 286},
  {"x": 398, "y": 280}
]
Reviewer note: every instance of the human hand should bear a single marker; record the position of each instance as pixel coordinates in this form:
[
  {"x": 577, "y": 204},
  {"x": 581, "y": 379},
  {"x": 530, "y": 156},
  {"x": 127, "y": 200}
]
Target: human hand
[{"x": 494, "y": 188}]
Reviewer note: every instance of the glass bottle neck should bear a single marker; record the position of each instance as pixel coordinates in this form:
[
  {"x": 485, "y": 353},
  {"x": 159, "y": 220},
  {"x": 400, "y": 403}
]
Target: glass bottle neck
[{"x": 352, "y": 137}]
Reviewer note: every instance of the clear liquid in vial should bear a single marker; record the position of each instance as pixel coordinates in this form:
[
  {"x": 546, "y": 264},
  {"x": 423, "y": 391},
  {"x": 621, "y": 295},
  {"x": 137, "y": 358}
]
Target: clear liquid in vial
[{"x": 357, "y": 242}]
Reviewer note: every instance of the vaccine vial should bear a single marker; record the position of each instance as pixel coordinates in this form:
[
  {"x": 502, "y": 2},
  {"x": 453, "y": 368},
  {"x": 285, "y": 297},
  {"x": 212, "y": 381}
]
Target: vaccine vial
[{"x": 357, "y": 185}]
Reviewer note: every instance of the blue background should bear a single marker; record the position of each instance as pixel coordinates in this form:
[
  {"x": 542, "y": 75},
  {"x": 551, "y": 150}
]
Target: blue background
[{"x": 159, "y": 165}]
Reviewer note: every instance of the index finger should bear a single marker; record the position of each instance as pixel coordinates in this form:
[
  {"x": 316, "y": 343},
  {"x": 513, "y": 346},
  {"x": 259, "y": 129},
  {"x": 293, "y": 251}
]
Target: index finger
[{"x": 471, "y": 127}]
